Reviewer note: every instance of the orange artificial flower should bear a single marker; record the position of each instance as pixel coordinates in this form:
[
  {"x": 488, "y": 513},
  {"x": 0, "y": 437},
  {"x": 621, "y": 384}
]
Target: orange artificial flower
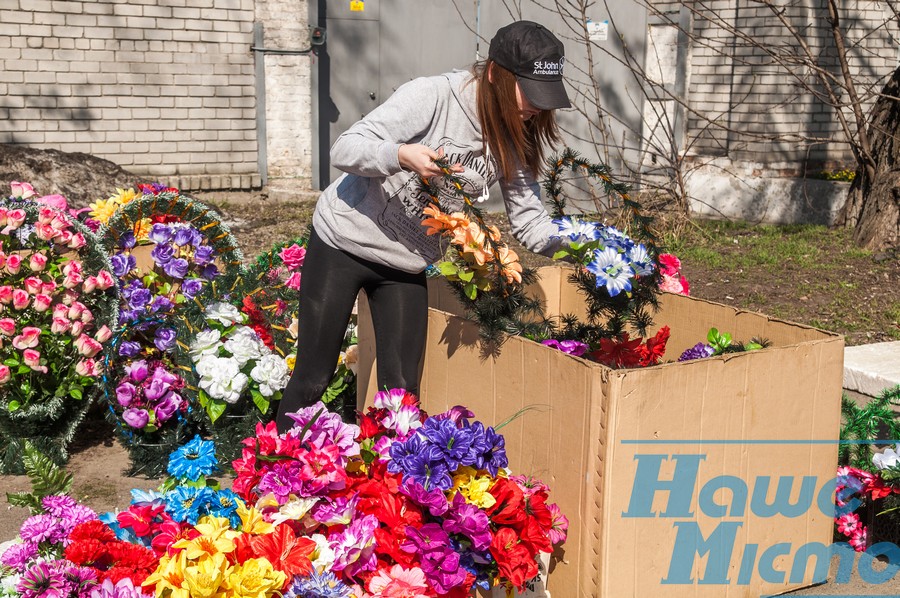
[{"x": 509, "y": 264}]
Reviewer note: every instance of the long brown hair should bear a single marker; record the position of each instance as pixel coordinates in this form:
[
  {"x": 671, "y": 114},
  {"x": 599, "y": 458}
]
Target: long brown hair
[{"x": 510, "y": 139}]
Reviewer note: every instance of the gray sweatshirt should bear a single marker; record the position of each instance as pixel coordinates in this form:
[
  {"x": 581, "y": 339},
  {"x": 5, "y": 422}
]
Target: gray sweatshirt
[{"x": 374, "y": 211}]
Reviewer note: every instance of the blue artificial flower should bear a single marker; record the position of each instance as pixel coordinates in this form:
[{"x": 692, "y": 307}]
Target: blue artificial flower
[
  {"x": 614, "y": 238},
  {"x": 126, "y": 534},
  {"x": 577, "y": 231},
  {"x": 225, "y": 504},
  {"x": 146, "y": 497},
  {"x": 495, "y": 457},
  {"x": 188, "y": 503},
  {"x": 318, "y": 585},
  {"x": 640, "y": 260},
  {"x": 611, "y": 271},
  {"x": 194, "y": 459}
]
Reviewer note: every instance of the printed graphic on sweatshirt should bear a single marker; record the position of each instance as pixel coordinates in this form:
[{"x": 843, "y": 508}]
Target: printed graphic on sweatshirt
[{"x": 403, "y": 214}]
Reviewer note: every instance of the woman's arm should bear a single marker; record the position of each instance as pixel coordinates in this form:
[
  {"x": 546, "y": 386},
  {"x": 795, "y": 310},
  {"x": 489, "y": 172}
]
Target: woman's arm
[
  {"x": 371, "y": 147},
  {"x": 528, "y": 219}
]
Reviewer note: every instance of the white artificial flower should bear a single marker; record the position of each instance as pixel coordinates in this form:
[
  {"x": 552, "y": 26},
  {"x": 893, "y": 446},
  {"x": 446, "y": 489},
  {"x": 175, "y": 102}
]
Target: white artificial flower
[
  {"x": 224, "y": 313},
  {"x": 8, "y": 583},
  {"x": 322, "y": 556},
  {"x": 294, "y": 509},
  {"x": 351, "y": 358},
  {"x": 221, "y": 378},
  {"x": 888, "y": 459},
  {"x": 271, "y": 373},
  {"x": 244, "y": 345},
  {"x": 205, "y": 343}
]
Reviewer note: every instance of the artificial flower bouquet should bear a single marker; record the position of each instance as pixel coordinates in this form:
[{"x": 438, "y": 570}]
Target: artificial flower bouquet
[
  {"x": 233, "y": 363},
  {"x": 719, "y": 343},
  {"x": 405, "y": 505},
  {"x": 57, "y": 310}
]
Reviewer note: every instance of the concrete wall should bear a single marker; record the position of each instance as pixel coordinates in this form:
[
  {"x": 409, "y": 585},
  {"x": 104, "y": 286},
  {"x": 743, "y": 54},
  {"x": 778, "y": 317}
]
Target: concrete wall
[{"x": 165, "y": 88}]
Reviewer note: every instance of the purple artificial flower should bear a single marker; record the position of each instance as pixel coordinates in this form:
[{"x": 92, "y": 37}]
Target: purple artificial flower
[
  {"x": 354, "y": 546},
  {"x": 167, "y": 407},
  {"x": 453, "y": 442},
  {"x": 338, "y": 511},
  {"x": 43, "y": 580},
  {"x": 139, "y": 298},
  {"x": 165, "y": 338},
  {"x": 127, "y": 240},
  {"x": 80, "y": 580},
  {"x": 191, "y": 287},
  {"x": 129, "y": 315},
  {"x": 184, "y": 235},
  {"x": 125, "y": 393},
  {"x": 122, "y": 264},
  {"x": 209, "y": 271},
  {"x": 328, "y": 428},
  {"x": 124, "y": 588},
  {"x": 203, "y": 255},
  {"x": 40, "y": 528},
  {"x": 136, "y": 418},
  {"x": 570, "y": 347},
  {"x": 698, "y": 351},
  {"x": 426, "y": 465},
  {"x": 495, "y": 457},
  {"x": 469, "y": 521},
  {"x": 58, "y": 504},
  {"x": 162, "y": 254},
  {"x": 160, "y": 233},
  {"x": 177, "y": 268},
  {"x": 434, "y": 500},
  {"x": 137, "y": 371},
  {"x": 129, "y": 348},
  {"x": 161, "y": 304},
  {"x": 282, "y": 480},
  {"x": 424, "y": 539},
  {"x": 442, "y": 569},
  {"x": 160, "y": 383},
  {"x": 17, "y": 555},
  {"x": 456, "y": 414}
]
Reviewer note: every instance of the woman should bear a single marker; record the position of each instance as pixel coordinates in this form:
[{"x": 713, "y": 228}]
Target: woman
[{"x": 491, "y": 124}]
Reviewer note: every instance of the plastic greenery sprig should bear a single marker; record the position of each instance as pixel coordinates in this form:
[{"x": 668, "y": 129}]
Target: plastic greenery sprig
[{"x": 47, "y": 479}]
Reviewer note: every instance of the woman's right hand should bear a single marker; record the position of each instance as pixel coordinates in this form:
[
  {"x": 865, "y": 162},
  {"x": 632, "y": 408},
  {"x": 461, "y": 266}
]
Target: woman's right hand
[{"x": 420, "y": 159}]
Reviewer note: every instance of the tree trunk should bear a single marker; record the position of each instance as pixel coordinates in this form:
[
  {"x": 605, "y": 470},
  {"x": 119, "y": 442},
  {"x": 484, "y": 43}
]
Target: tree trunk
[{"x": 873, "y": 204}]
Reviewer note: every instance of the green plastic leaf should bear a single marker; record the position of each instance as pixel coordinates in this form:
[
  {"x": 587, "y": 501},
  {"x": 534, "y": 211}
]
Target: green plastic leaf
[
  {"x": 11, "y": 362},
  {"x": 76, "y": 393},
  {"x": 14, "y": 405},
  {"x": 561, "y": 254},
  {"x": 471, "y": 291},
  {"x": 261, "y": 402},
  {"x": 23, "y": 369},
  {"x": 466, "y": 275},
  {"x": 447, "y": 268},
  {"x": 215, "y": 409}
]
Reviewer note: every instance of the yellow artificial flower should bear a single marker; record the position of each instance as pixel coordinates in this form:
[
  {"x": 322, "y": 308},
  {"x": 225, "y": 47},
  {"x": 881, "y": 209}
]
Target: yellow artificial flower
[
  {"x": 103, "y": 209},
  {"x": 216, "y": 536},
  {"x": 204, "y": 577},
  {"x": 142, "y": 229},
  {"x": 169, "y": 577},
  {"x": 474, "y": 488},
  {"x": 124, "y": 196},
  {"x": 255, "y": 578},
  {"x": 290, "y": 360},
  {"x": 252, "y": 521}
]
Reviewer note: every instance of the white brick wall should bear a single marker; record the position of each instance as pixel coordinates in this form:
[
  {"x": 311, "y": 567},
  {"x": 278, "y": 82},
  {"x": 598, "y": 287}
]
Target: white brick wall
[{"x": 164, "y": 88}]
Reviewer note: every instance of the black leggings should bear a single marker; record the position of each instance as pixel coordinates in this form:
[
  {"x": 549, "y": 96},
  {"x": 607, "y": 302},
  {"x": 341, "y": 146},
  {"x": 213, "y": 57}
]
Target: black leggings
[{"x": 331, "y": 281}]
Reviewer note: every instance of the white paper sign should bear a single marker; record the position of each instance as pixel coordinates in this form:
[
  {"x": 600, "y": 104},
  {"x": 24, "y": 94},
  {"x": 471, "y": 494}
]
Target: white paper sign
[{"x": 598, "y": 32}]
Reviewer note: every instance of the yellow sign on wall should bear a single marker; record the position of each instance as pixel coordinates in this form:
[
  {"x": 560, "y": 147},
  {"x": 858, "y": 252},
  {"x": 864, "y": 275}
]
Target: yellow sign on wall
[{"x": 357, "y": 6}]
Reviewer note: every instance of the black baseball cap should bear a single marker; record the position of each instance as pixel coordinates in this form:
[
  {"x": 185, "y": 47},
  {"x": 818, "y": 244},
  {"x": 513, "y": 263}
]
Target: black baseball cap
[{"x": 536, "y": 57}]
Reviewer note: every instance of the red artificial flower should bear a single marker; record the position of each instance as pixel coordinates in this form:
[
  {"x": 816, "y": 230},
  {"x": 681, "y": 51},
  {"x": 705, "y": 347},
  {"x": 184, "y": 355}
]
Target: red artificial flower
[
  {"x": 514, "y": 562},
  {"x": 536, "y": 507},
  {"x": 618, "y": 353},
  {"x": 510, "y": 506},
  {"x": 170, "y": 531},
  {"x": 287, "y": 553},
  {"x": 88, "y": 552},
  {"x": 93, "y": 530},
  {"x": 140, "y": 518},
  {"x": 369, "y": 427},
  {"x": 534, "y": 537},
  {"x": 655, "y": 347}
]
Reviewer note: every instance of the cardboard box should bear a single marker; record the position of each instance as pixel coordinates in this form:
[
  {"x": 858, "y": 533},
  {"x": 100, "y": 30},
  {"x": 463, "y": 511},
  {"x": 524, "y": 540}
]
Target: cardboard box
[{"x": 587, "y": 428}]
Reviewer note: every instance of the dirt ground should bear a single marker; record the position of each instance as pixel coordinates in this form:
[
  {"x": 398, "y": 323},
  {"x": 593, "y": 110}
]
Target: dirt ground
[{"x": 98, "y": 461}]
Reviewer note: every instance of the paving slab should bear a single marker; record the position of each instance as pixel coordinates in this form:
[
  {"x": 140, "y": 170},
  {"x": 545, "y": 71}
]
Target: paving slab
[{"x": 869, "y": 369}]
